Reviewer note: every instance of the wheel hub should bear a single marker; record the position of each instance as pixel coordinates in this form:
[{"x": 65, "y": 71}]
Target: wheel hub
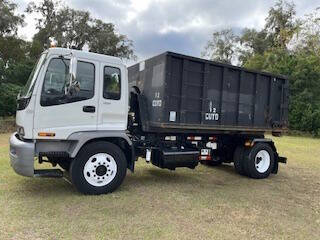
[
  {"x": 259, "y": 159},
  {"x": 100, "y": 169},
  {"x": 262, "y": 161}
]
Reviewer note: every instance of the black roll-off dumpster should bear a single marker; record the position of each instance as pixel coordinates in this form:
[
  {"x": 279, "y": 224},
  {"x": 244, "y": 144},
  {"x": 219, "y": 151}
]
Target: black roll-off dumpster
[{"x": 183, "y": 93}]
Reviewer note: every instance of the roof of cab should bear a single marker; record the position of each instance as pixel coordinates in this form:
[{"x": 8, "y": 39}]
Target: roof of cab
[{"x": 84, "y": 54}]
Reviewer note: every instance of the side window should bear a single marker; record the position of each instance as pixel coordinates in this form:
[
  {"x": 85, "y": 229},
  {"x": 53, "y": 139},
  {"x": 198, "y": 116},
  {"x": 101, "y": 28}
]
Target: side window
[
  {"x": 112, "y": 83},
  {"x": 57, "y": 77},
  {"x": 85, "y": 76}
]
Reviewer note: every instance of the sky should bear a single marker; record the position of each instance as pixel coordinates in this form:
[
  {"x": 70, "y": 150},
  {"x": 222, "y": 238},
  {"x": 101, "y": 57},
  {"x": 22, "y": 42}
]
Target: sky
[{"x": 182, "y": 26}]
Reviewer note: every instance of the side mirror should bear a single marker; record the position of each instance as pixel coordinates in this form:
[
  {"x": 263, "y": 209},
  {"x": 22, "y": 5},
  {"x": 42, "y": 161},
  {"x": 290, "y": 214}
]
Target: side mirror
[
  {"x": 74, "y": 88},
  {"x": 72, "y": 85}
]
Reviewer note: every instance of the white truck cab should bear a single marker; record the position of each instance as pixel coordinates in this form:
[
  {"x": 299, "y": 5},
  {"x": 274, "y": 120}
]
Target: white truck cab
[
  {"x": 71, "y": 97},
  {"x": 100, "y": 104}
]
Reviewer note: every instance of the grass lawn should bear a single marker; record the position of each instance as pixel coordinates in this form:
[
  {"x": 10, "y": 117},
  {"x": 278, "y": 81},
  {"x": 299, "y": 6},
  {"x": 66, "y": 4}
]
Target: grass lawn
[{"x": 206, "y": 203}]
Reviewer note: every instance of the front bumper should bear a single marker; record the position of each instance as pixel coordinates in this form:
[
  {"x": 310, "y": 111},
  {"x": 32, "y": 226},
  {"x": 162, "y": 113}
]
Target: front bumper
[{"x": 22, "y": 156}]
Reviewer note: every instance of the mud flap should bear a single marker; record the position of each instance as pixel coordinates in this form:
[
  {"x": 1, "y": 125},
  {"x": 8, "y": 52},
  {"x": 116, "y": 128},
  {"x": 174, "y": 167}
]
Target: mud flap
[{"x": 276, "y": 164}]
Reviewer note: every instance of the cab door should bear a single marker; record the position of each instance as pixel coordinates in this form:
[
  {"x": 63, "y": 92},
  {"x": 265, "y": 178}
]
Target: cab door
[
  {"x": 113, "y": 101},
  {"x": 62, "y": 114}
]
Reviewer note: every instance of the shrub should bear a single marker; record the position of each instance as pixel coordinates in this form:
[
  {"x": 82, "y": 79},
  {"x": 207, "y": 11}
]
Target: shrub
[{"x": 8, "y": 98}]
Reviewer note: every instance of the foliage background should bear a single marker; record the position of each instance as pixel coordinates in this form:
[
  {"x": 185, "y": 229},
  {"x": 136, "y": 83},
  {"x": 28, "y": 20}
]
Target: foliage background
[
  {"x": 287, "y": 45},
  {"x": 65, "y": 26}
]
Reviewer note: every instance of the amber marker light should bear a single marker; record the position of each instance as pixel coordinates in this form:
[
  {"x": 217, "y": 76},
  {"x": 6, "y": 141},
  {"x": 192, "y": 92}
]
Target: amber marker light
[
  {"x": 248, "y": 143},
  {"x": 46, "y": 134}
]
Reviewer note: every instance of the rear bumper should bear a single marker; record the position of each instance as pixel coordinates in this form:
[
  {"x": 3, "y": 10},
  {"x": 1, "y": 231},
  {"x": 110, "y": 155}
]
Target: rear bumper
[{"x": 22, "y": 156}]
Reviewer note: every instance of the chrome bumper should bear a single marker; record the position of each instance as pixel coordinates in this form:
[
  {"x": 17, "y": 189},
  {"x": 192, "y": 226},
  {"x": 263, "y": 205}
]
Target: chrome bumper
[{"x": 22, "y": 156}]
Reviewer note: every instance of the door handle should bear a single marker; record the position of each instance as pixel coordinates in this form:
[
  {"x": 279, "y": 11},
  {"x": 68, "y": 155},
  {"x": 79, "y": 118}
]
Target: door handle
[{"x": 89, "y": 109}]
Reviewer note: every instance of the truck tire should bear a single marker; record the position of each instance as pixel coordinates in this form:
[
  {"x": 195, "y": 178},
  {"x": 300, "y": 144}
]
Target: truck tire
[
  {"x": 99, "y": 168},
  {"x": 259, "y": 161},
  {"x": 238, "y": 160}
]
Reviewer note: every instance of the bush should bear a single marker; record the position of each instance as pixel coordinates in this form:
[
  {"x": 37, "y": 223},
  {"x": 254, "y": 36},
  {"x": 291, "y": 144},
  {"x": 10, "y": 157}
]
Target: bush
[
  {"x": 18, "y": 73},
  {"x": 7, "y": 125},
  {"x": 8, "y": 98},
  {"x": 303, "y": 70}
]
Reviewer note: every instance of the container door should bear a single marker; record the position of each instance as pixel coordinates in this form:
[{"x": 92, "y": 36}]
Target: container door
[{"x": 62, "y": 114}]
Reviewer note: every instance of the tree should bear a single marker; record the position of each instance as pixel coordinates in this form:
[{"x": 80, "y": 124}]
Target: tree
[
  {"x": 221, "y": 47},
  {"x": 281, "y": 23},
  {"x": 9, "y": 23},
  {"x": 106, "y": 41},
  {"x": 303, "y": 70},
  {"x": 280, "y": 29},
  {"x": 7, "y": 44},
  {"x": 258, "y": 41},
  {"x": 75, "y": 29},
  {"x": 69, "y": 27},
  {"x": 310, "y": 32},
  {"x": 46, "y": 24},
  {"x": 253, "y": 42},
  {"x": 8, "y": 99},
  {"x": 288, "y": 46},
  {"x": 9, "y": 20}
]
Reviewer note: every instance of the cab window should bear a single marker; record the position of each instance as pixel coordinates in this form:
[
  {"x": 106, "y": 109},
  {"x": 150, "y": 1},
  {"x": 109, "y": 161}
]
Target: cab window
[
  {"x": 56, "y": 80},
  {"x": 112, "y": 83}
]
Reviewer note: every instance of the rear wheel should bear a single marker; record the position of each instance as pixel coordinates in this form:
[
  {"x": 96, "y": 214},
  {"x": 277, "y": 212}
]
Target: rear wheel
[
  {"x": 238, "y": 160},
  {"x": 99, "y": 168},
  {"x": 259, "y": 161}
]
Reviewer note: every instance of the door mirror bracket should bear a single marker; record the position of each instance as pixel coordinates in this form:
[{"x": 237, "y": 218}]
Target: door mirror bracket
[{"x": 72, "y": 86}]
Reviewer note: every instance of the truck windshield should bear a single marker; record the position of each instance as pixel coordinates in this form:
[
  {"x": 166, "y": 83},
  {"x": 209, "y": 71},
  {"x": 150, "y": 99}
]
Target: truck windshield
[{"x": 26, "y": 91}]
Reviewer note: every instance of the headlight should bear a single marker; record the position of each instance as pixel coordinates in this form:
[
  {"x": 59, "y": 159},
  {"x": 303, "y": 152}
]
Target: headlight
[{"x": 20, "y": 131}]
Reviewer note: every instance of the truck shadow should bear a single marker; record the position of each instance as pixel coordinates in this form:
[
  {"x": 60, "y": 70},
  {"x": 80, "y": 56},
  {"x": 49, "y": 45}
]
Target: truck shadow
[
  {"x": 203, "y": 176},
  {"x": 47, "y": 188},
  {"x": 213, "y": 175},
  {"x": 226, "y": 167}
]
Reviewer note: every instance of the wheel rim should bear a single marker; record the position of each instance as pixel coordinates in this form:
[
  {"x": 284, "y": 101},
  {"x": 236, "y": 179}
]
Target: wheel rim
[
  {"x": 100, "y": 169},
  {"x": 262, "y": 161}
]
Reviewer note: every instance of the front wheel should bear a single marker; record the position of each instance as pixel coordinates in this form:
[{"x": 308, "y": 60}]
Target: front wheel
[{"x": 99, "y": 168}]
